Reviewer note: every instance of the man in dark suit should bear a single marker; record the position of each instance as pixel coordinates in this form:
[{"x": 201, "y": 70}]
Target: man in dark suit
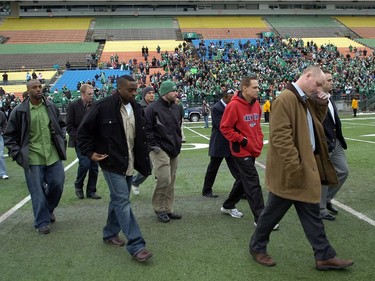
[
  {"x": 336, "y": 146},
  {"x": 76, "y": 111},
  {"x": 218, "y": 150}
]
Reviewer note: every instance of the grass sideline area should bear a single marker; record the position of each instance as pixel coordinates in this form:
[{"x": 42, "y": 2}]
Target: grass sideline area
[{"x": 205, "y": 244}]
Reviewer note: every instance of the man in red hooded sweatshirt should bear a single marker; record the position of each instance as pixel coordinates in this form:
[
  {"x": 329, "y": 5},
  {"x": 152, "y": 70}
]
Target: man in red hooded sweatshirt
[{"x": 240, "y": 125}]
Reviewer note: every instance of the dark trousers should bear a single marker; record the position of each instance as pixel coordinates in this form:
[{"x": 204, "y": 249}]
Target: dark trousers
[
  {"x": 212, "y": 170},
  {"x": 86, "y": 165},
  {"x": 355, "y": 112},
  {"x": 251, "y": 185},
  {"x": 266, "y": 117},
  {"x": 309, "y": 216}
]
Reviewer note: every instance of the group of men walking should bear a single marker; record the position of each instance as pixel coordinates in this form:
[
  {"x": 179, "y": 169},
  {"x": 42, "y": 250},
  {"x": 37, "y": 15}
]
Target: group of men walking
[
  {"x": 122, "y": 137},
  {"x": 302, "y": 170},
  {"x": 112, "y": 133}
]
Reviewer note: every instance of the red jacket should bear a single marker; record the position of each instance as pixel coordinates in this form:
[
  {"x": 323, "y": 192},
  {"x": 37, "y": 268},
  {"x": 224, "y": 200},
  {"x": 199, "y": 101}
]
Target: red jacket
[{"x": 242, "y": 119}]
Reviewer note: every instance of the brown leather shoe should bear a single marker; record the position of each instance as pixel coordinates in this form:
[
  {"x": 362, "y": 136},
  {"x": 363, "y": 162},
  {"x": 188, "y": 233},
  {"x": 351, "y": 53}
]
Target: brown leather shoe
[
  {"x": 142, "y": 255},
  {"x": 263, "y": 258},
  {"x": 115, "y": 241},
  {"x": 333, "y": 263},
  {"x": 44, "y": 230}
]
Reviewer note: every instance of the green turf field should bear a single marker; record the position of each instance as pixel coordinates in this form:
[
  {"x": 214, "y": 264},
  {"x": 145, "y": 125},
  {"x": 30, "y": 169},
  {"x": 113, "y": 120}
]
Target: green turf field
[{"x": 205, "y": 244}]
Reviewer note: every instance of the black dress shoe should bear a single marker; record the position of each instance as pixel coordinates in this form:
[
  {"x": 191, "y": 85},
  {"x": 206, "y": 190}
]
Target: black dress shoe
[
  {"x": 79, "y": 194},
  {"x": 328, "y": 217},
  {"x": 331, "y": 208},
  {"x": 163, "y": 217},
  {"x": 94, "y": 196},
  {"x": 174, "y": 216},
  {"x": 211, "y": 195}
]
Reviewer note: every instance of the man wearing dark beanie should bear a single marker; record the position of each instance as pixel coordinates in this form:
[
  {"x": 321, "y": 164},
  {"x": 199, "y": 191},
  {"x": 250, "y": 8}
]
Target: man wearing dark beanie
[
  {"x": 148, "y": 96},
  {"x": 163, "y": 129}
]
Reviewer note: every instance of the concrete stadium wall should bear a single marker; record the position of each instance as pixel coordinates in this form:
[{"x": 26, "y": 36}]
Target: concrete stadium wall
[{"x": 191, "y": 8}]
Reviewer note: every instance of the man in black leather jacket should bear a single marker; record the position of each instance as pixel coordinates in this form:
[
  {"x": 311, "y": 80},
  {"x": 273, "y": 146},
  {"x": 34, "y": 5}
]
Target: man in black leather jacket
[{"x": 113, "y": 134}]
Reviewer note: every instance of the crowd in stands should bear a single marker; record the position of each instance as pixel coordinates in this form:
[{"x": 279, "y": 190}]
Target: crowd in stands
[{"x": 203, "y": 73}]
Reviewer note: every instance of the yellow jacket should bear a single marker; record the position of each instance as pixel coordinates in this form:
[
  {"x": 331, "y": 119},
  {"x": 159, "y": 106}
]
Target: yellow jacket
[
  {"x": 267, "y": 106},
  {"x": 355, "y": 104}
]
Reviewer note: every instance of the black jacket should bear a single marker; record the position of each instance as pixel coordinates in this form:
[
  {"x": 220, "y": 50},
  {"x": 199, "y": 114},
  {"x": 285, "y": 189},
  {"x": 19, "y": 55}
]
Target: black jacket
[
  {"x": 102, "y": 131},
  {"x": 333, "y": 130},
  {"x": 74, "y": 115},
  {"x": 3, "y": 122},
  {"x": 17, "y": 133},
  {"x": 164, "y": 126},
  {"x": 219, "y": 145}
]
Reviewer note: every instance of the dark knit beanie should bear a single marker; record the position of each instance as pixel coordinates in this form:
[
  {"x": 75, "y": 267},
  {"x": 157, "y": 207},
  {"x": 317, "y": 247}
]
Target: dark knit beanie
[{"x": 147, "y": 90}]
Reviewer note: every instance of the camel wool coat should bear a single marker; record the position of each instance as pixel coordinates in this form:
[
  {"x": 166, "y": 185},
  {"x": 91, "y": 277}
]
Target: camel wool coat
[{"x": 294, "y": 171}]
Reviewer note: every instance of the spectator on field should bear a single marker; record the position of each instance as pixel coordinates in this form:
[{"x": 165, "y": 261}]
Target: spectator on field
[
  {"x": 148, "y": 96},
  {"x": 267, "y": 110},
  {"x": 39, "y": 154},
  {"x": 355, "y": 106},
  {"x": 296, "y": 168},
  {"x": 112, "y": 133},
  {"x": 218, "y": 148},
  {"x": 240, "y": 125},
  {"x": 163, "y": 127},
  {"x": 336, "y": 145},
  {"x": 205, "y": 113},
  {"x": 75, "y": 113},
  {"x": 3, "y": 124}
]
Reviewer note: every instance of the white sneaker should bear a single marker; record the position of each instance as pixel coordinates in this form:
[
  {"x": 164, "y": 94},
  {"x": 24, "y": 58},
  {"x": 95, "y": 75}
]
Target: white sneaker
[
  {"x": 5, "y": 177},
  {"x": 276, "y": 227},
  {"x": 135, "y": 190},
  {"x": 233, "y": 212}
]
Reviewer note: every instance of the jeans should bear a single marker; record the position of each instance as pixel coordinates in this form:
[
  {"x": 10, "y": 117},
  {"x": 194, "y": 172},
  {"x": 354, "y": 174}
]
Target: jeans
[
  {"x": 45, "y": 184},
  {"x": 3, "y": 170},
  {"x": 205, "y": 118},
  {"x": 120, "y": 214},
  {"x": 86, "y": 165},
  {"x": 138, "y": 179}
]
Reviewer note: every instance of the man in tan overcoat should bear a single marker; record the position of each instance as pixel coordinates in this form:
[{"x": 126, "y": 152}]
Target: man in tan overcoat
[{"x": 297, "y": 164}]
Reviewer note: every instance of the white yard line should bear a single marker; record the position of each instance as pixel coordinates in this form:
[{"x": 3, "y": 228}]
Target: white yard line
[
  {"x": 27, "y": 199},
  {"x": 373, "y": 142}
]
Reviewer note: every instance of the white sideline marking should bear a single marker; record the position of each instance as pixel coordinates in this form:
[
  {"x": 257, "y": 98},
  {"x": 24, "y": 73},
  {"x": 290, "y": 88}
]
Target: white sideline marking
[
  {"x": 354, "y": 212},
  {"x": 373, "y": 142},
  {"x": 27, "y": 199}
]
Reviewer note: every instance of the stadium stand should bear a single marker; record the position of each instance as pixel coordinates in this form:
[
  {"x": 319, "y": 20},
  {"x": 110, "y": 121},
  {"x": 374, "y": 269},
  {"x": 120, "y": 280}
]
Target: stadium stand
[
  {"x": 298, "y": 26},
  {"x": 45, "y": 30},
  {"x": 145, "y": 28},
  {"x": 363, "y": 26},
  {"x": 212, "y": 27},
  {"x": 70, "y": 78},
  {"x": 44, "y": 56}
]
